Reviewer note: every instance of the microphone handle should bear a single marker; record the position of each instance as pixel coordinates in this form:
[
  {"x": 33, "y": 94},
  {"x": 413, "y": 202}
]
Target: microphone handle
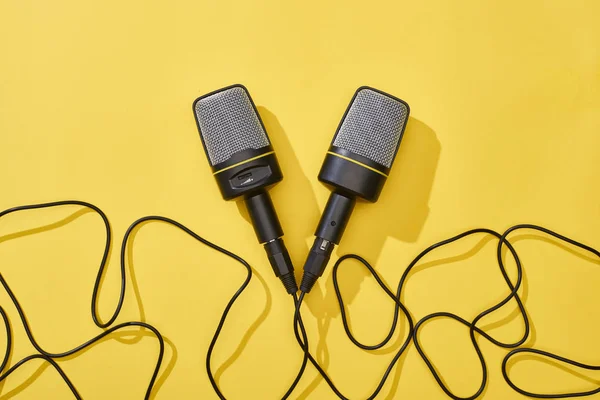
[
  {"x": 328, "y": 234},
  {"x": 269, "y": 233}
]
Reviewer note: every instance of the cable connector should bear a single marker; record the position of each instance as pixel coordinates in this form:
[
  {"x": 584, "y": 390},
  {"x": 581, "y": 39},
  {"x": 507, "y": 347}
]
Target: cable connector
[
  {"x": 280, "y": 261},
  {"x": 317, "y": 260}
]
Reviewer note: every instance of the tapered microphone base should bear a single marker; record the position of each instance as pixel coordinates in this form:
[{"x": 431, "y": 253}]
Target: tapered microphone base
[
  {"x": 269, "y": 233},
  {"x": 329, "y": 232}
]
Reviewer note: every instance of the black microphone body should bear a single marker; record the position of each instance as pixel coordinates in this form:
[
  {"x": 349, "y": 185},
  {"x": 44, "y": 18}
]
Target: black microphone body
[
  {"x": 244, "y": 165},
  {"x": 356, "y": 166}
]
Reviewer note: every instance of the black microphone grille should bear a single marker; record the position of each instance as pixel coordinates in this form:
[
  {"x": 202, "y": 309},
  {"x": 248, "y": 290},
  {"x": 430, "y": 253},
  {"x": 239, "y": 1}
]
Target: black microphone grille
[
  {"x": 373, "y": 125},
  {"x": 229, "y": 123}
]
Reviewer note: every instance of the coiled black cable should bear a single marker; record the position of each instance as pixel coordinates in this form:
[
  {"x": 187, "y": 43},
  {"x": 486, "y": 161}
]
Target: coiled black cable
[
  {"x": 414, "y": 328},
  {"x": 398, "y": 306},
  {"x": 235, "y": 296},
  {"x": 473, "y": 324},
  {"x": 51, "y": 357},
  {"x": 546, "y": 353},
  {"x": 299, "y": 329}
]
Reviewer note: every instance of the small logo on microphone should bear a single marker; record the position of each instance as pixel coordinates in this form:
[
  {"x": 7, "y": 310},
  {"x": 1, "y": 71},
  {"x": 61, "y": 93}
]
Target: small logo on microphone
[{"x": 247, "y": 181}]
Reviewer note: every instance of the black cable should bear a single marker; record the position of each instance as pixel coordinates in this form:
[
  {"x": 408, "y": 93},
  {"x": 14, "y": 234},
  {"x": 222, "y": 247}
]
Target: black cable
[
  {"x": 546, "y": 353},
  {"x": 103, "y": 262},
  {"x": 297, "y": 303},
  {"x": 413, "y": 330},
  {"x": 50, "y": 357},
  {"x": 214, "y": 247},
  {"x": 472, "y": 325},
  {"x": 299, "y": 329},
  {"x": 235, "y": 296},
  {"x": 397, "y": 306},
  {"x": 50, "y": 361}
]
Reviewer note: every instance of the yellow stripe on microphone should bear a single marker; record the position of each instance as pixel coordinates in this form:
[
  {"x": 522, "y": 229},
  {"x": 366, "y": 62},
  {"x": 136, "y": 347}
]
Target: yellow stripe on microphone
[
  {"x": 243, "y": 162},
  {"x": 357, "y": 162}
]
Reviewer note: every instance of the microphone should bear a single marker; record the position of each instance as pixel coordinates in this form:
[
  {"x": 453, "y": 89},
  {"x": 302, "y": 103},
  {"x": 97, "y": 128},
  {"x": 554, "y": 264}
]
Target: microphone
[
  {"x": 244, "y": 164},
  {"x": 357, "y": 165}
]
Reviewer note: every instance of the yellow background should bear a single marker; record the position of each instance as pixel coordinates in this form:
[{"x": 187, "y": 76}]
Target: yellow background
[{"x": 95, "y": 104}]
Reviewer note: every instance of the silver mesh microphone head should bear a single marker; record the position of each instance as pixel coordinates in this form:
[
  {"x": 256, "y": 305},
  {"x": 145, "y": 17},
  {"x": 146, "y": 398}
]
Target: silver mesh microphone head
[
  {"x": 229, "y": 123},
  {"x": 372, "y": 126}
]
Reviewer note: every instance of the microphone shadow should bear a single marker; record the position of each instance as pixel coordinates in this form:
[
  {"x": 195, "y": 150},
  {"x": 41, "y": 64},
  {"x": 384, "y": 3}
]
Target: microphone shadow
[
  {"x": 400, "y": 213},
  {"x": 403, "y": 206},
  {"x": 294, "y": 199},
  {"x": 295, "y": 204}
]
